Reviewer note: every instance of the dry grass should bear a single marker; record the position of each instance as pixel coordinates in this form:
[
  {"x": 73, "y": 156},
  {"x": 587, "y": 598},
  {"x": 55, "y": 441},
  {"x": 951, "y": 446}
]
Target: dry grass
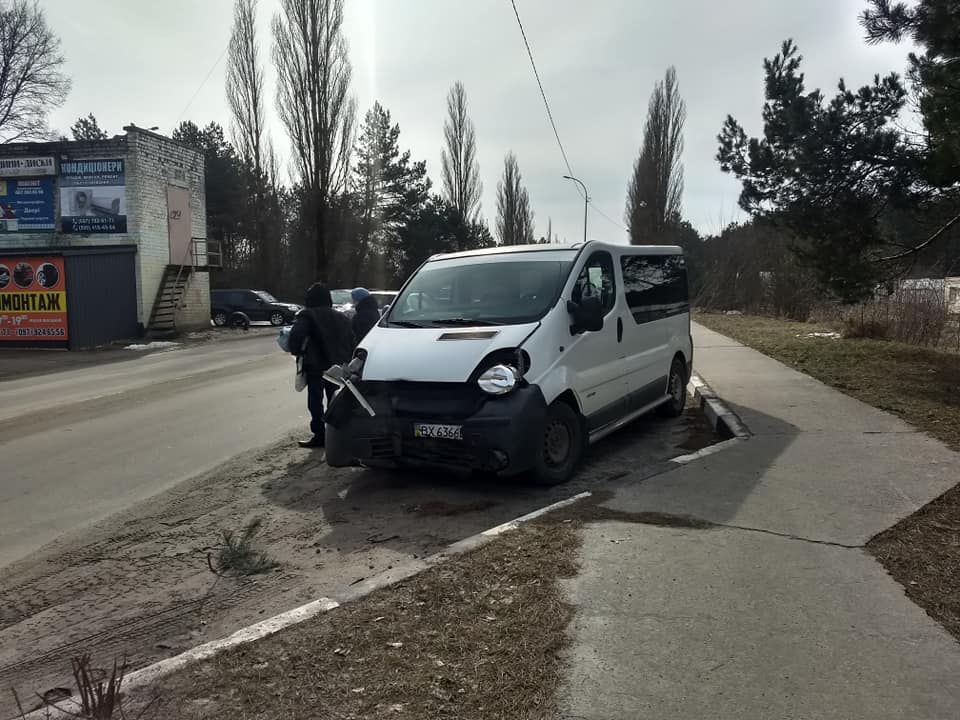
[
  {"x": 920, "y": 385},
  {"x": 922, "y": 551},
  {"x": 477, "y": 637}
]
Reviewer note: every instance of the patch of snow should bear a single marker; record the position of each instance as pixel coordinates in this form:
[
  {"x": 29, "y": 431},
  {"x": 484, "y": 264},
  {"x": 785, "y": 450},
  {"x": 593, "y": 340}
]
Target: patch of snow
[
  {"x": 733, "y": 312},
  {"x": 155, "y": 345},
  {"x": 831, "y": 335}
]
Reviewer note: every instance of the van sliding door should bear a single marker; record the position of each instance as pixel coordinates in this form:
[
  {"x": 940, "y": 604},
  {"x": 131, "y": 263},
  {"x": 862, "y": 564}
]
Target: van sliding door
[{"x": 656, "y": 291}]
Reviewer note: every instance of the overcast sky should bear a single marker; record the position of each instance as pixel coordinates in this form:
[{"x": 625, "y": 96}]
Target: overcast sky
[{"x": 142, "y": 61}]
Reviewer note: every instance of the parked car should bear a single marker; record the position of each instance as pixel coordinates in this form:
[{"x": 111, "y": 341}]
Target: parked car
[
  {"x": 344, "y": 303},
  {"x": 258, "y": 305},
  {"x": 515, "y": 359}
]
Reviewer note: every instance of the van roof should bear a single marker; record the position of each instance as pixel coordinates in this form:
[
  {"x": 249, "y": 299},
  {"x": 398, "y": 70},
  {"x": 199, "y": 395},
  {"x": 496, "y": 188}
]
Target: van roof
[{"x": 571, "y": 249}]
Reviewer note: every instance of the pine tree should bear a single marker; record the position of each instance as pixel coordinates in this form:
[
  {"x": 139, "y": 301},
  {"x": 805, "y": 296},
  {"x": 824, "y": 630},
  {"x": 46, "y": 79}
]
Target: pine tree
[{"x": 388, "y": 188}]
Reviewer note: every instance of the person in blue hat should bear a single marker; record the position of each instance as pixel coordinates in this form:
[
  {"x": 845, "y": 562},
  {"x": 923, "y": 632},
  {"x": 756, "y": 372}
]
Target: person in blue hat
[{"x": 367, "y": 312}]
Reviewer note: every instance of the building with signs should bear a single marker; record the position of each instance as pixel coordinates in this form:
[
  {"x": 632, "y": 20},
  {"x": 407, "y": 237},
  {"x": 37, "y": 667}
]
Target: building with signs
[{"x": 102, "y": 240}]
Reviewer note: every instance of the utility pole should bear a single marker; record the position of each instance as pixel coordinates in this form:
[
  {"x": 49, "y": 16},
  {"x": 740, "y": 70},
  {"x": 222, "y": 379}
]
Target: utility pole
[{"x": 586, "y": 200}]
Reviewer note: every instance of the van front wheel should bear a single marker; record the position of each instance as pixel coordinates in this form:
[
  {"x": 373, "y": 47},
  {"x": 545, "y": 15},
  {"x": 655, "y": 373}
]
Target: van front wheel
[{"x": 561, "y": 445}]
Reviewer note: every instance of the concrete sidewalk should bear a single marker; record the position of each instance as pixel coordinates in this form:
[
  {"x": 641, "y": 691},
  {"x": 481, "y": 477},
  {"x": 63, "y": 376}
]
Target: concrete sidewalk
[{"x": 775, "y": 611}]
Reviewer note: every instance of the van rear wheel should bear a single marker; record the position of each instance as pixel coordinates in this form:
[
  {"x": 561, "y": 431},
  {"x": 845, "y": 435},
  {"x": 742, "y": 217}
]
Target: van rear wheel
[
  {"x": 561, "y": 446},
  {"x": 676, "y": 390}
]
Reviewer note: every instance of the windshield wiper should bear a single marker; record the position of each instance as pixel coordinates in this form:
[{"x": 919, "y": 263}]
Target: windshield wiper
[
  {"x": 405, "y": 323},
  {"x": 463, "y": 321}
]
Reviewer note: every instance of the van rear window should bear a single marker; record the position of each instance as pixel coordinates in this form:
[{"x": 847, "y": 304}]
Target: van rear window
[{"x": 655, "y": 286}]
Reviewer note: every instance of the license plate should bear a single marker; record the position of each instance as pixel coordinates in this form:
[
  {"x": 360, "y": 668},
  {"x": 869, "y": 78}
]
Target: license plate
[{"x": 442, "y": 432}]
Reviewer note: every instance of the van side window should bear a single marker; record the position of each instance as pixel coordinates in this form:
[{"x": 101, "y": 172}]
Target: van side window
[
  {"x": 596, "y": 278},
  {"x": 655, "y": 286}
]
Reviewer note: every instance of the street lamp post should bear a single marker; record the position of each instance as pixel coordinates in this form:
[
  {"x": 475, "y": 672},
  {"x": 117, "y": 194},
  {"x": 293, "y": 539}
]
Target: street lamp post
[{"x": 586, "y": 199}]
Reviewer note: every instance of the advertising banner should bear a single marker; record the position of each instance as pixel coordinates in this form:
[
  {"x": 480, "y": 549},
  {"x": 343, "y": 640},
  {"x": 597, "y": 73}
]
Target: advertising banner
[
  {"x": 27, "y": 167},
  {"x": 26, "y": 205},
  {"x": 33, "y": 299},
  {"x": 92, "y": 196}
]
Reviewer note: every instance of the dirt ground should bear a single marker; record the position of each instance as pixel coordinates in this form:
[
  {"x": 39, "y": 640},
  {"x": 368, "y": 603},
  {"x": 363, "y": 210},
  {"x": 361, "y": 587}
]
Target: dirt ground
[
  {"x": 477, "y": 638},
  {"x": 138, "y": 584}
]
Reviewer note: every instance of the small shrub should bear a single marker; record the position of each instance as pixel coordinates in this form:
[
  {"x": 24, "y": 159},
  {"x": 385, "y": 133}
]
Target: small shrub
[
  {"x": 100, "y": 696},
  {"x": 866, "y": 328},
  {"x": 237, "y": 555}
]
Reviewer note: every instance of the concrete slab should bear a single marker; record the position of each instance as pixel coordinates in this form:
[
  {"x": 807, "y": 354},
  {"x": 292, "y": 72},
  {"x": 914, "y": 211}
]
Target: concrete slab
[
  {"x": 835, "y": 487},
  {"x": 733, "y": 624},
  {"x": 776, "y": 612},
  {"x": 768, "y": 395}
]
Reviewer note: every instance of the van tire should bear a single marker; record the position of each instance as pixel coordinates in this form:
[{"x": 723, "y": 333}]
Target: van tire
[
  {"x": 676, "y": 389},
  {"x": 220, "y": 318},
  {"x": 561, "y": 445}
]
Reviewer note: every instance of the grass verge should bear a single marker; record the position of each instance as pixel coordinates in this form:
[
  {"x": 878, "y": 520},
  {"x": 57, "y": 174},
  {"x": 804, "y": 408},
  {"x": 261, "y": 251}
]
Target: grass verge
[
  {"x": 922, "y": 386},
  {"x": 476, "y": 637}
]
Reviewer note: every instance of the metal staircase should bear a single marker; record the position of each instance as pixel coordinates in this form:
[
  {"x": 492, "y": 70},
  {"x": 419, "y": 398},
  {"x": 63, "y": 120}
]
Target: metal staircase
[
  {"x": 168, "y": 300},
  {"x": 204, "y": 255}
]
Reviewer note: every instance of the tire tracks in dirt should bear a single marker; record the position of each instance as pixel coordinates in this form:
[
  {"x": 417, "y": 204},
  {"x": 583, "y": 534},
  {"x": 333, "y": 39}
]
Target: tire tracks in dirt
[{"x": 137, "y": 584}]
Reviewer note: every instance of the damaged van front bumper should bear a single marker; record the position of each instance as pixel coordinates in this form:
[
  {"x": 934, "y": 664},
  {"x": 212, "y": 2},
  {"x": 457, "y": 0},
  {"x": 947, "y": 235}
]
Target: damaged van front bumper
[{"x": 448, "y": 425}]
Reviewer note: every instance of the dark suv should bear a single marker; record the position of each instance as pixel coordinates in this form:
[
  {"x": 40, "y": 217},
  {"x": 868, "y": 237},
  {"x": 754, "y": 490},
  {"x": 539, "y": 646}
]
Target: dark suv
[{"x": 255, "y": 304}]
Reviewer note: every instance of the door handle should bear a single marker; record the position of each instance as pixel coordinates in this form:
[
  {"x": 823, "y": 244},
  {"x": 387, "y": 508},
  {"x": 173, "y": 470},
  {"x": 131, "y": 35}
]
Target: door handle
[{"x": 619, "y": 329}]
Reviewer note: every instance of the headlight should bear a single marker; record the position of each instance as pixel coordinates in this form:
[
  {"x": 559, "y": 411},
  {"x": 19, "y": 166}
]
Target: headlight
[{"x": 498, "y": 380}]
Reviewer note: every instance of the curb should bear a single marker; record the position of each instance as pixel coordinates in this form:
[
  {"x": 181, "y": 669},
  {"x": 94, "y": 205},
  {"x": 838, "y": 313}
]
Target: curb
[{"x": 725, "y": 421}]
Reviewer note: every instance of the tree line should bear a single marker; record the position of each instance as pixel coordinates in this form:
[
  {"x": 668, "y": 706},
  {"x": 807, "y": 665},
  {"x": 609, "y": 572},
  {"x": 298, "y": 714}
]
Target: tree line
[
  {"x": 358, "y": 208},
  {"x": 839, "y": 194}
]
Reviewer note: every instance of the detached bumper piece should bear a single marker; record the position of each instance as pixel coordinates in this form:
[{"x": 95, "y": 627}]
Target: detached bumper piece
[{"x": 500, "y": 434}]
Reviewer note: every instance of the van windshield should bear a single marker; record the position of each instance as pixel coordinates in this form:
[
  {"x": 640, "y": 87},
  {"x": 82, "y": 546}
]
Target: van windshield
[{"x": 479, "y": 292}]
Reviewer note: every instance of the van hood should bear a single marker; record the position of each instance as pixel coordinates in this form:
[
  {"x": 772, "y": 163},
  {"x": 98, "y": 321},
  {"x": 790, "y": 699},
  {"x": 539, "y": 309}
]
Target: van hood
[{"x": 447, "y": 354}]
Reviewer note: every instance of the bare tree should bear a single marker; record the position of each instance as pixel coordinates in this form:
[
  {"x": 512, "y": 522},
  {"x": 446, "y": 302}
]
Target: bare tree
[
  {"x": 31, "y": 79},
  {"x": 514, "y": 216},
  {"x": 315, "y": 106},
  {"x": 655, "y": 192},
  {"x": 245, "y": 84},
  {"x": 461, "y": 171}
]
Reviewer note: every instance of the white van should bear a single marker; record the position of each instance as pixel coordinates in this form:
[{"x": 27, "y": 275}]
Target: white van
[{"x": 514, "y": 359}]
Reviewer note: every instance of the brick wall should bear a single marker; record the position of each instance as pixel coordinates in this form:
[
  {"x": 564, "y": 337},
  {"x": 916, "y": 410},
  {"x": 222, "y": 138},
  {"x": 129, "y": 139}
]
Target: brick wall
[
  {"x": 156, "y": 162},
  {"x": 194, "y": 314},
  {"x": 152, "y": 162}
]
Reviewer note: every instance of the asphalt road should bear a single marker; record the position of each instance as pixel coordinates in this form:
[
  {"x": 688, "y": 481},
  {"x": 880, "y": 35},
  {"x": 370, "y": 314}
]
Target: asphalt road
[{"x": 78, "y": 446}]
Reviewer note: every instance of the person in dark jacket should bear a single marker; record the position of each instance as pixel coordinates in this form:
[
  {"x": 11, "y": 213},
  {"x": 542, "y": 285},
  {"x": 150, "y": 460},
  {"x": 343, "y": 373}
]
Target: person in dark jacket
[
  {"x": 330, "y": 341},
  {"x": 367, "y": 312}
]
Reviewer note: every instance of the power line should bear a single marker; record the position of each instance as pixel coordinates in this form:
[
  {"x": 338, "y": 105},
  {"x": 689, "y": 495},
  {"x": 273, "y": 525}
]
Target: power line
[
  {"x": 606, "y": 217},
  {"x": 542, "y": 93},
  {"x": 553, "y": 124},
  {"x": 200, "y": 87}
]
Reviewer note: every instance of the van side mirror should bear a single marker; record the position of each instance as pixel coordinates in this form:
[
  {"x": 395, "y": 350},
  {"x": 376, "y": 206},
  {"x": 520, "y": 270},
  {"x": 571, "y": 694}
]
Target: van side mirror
[{"x": 587, "y": 315}]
